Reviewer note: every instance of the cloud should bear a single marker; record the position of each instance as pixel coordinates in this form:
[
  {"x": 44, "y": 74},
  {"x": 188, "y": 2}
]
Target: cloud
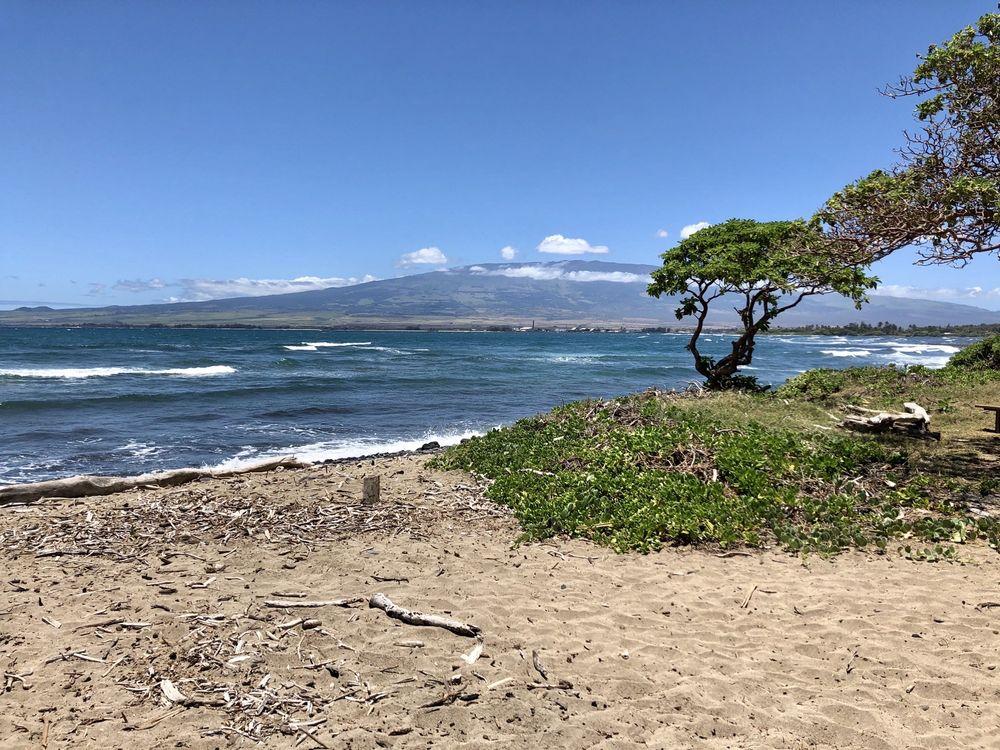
[
  {"x": 662, "y": 233},
  {"x": 96, "y": 289},
  {"x": 508, "y": 252},
  {"x": 560, "y": 245},
  {"x": 138, "y": 285},
  {"x": 197, "y": 290},
  {"x": 425, "y": 256},
  {"x": 690, "y": 229},
  {"x": 972, "y": 295},
  {"x": 555, "y": 273}
]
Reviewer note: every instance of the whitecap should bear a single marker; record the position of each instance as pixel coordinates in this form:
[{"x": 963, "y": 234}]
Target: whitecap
[
  {"x": 142, "y": 450},
  {"x": 847, "y": 352},
  {"x": 935, "y": 362},
  {"x": 312, "y": 346},
  {"x": 336, "y": 343},
  {"x": 334, "y": 450},
  {"x": 105, "y": 372},
  {"x": 923, "y": 348},
  {"x": 577, "y": 359},
  {"x": 388, "y": 349}
]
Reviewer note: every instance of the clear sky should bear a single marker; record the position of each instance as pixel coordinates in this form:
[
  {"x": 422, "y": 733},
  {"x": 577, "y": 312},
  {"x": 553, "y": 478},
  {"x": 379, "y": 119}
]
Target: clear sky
[{"x": 154, "y": 150}]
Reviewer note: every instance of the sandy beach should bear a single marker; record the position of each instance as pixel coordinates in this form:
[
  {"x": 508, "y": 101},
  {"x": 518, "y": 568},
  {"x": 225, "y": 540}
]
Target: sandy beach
[{"x": 142, "y": 620}]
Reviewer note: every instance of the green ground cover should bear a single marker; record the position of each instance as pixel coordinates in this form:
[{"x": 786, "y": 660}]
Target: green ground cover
[{"x": 738, "y": 469}]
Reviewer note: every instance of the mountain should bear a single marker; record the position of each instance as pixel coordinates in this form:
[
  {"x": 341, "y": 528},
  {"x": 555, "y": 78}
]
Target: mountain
[{"x": 563, "y": 293}]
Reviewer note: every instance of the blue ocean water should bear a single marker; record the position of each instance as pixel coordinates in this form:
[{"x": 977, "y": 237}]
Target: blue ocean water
[{"x": 125, "y": 401}]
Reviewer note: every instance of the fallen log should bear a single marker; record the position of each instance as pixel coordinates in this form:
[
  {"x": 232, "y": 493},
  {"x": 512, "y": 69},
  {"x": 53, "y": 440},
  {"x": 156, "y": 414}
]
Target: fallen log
[
  {"x": 383, "y": 602},
  {"x": 914, "y": 421},
  {"x": 88, "y": 486}
]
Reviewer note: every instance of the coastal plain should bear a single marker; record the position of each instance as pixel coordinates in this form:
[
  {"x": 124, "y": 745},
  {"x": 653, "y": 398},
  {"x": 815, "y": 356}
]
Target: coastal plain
[{"x": 109, "y": 602}]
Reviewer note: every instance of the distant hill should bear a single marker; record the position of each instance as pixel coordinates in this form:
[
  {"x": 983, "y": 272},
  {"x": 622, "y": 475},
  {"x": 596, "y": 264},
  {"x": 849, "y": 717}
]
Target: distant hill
[{"x": 562, "y": 293}]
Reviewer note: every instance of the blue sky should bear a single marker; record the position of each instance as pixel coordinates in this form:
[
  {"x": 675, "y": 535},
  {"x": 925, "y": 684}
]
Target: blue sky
[{"x": 186, "y": 150}]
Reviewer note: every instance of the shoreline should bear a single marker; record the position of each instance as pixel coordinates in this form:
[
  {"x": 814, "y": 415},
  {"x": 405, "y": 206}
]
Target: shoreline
[
  {"x": 962, "y": 331},
  {"x": 93, "y": 485}
]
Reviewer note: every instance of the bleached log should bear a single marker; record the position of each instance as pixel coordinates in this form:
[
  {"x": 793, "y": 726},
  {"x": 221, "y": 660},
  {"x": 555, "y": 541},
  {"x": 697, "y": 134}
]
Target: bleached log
[
  {"x": 913, "y": 421},
  {"x": 917, "y": 411},
  {"x": 88, "y": 486},
  {"x": 383, "y": 602}
]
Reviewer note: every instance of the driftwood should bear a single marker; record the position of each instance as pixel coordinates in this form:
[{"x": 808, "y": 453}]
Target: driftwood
[
  {"x": 383, "y": 602},
  {"x": 914, "y": 421},
  {"x": 87, "y": 486},
  {"x": 289, "y": 604}
]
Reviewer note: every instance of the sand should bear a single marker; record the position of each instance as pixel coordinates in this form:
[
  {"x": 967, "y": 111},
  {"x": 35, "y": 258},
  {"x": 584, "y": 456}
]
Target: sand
[{"x": 684, "y": 648}]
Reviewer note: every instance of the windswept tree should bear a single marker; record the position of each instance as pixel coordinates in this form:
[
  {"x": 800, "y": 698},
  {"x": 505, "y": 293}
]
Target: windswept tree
[
  {"x": 943, "y": 196},
  {"x": 766, "y": 268}
]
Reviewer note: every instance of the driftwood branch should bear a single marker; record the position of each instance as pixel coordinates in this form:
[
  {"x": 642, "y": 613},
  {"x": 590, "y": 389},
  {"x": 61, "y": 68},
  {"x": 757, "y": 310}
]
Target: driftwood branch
[
  {"x": 87, "y": 486},
  {"x": 913, "y": 421},
  {"x": 301, "y": 603},
  {"x": 383, "y": 602}
]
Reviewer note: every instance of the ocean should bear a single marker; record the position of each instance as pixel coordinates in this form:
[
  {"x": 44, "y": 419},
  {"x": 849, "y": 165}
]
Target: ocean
[{"x": 126, "y": 401}]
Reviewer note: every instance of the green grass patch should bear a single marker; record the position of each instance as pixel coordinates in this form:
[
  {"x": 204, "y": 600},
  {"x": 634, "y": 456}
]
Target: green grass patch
[{"x": 654, "y": 469}]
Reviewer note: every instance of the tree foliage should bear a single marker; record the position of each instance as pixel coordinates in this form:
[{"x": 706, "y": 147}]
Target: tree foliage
[
  {"x": 944, "y": 194},
  {"x": 767, "y": 268}
]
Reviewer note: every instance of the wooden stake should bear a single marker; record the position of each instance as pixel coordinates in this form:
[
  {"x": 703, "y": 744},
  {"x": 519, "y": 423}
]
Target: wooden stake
[{"x": 371, "y": 489}]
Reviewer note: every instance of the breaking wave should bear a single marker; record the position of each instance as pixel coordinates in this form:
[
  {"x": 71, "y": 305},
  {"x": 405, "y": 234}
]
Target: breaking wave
[
  {"x": 107, "y": 372},
  {"x": 312, "y": 346},
  {"x": 847, "y": 352},
  {"x": 333, "y": 450}
]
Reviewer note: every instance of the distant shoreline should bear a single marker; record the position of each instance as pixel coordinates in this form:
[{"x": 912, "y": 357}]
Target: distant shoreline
[{"x": 852, "y": 330}]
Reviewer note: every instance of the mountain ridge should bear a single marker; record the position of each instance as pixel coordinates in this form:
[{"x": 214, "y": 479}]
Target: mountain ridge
[{"x": 560, "y": 293}]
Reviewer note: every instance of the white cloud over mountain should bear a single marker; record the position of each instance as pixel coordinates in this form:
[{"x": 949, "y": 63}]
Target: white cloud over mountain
[
  {"x": 425, "y": 256},
  {"x": 138, "y": 285},
  {"x": 197, "y": 290},
  {"x": 560, "y": 245},
  {"x": 555, "y": 273},
  {"x": 508, "y": 252},
  {"x": 972, "y": 295}
]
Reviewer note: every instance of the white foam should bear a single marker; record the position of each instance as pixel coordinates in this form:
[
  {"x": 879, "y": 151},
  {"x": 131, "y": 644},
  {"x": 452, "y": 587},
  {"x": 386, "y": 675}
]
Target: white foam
[
  {"x": 923, "y": 348},
  {"x": 331, "y": 344},
  {"x": 935, "y": 362},
  {"x": 385, "y": 349},
  {"x": 577, "y": 359},
  {"x": 333, "y": 450},
  {"x": 847, "y": 352},
  {"x": 106, "y": 372},
  {"x": 142, "y": 450},
  {"x": 812, "y": 340},
  {"x": 312, "y": 346}
]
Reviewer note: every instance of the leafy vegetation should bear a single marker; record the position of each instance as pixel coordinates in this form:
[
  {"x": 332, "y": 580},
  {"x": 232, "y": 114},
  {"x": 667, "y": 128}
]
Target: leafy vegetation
[
  {"x": 891, "y": 329},
  {"x": 944, "y": 195},
  {"x": 983, "y": 355},
  {"x": 975, "y": 365},
  {"x": 726, "y": 469},
  {"x": 766, "y": 267}
]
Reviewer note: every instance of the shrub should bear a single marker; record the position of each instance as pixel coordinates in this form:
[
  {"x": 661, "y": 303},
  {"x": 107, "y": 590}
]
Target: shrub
[{"x": 983, "y": 355}]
